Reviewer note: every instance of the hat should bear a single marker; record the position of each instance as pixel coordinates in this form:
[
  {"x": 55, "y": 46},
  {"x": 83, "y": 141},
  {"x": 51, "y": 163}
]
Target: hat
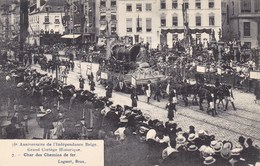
[
  {"x": 218, "y": 147},
  {"x": 123, "y": 119},
  {"x": 143, "y": 129},
  {"x": 128, "y": 112},
  {"x": 134, "y": 108},
  {"x": 213, "y": 143},
  {"x": 147, "y": 116},
  {"x": 192, "y": 137},
  {"x": 180, "y": 139},
  {"x": 19, "y": 84},
  {"x": 201, "y": 133},
  {"x": 208, "y": 151},
  {"x": 209, "y": 160},
  {"x": 48, "y": 111},
  {"x": 192, "y": 148},
  {"x": 225, "y": 153},
  {"x": 236, "y": 151},
  {"x": 227, "y": 145}
]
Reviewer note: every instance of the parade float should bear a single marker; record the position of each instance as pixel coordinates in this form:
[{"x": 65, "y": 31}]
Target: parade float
[{"x": 130, "y": 65}]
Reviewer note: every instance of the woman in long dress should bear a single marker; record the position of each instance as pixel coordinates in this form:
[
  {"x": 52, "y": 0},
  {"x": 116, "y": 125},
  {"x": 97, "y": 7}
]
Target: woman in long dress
[{"x": 171, "y": 107}]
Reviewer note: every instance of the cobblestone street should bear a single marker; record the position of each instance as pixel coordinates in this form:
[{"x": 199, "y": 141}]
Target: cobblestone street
[{"x": 228, "y": 125}]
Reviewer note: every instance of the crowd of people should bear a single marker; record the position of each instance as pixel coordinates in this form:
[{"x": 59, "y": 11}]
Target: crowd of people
[{"x": 30, "y": 92}]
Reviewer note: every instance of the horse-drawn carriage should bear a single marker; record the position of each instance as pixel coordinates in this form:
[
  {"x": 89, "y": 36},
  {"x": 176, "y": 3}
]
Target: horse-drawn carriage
[{"x": 128, "y": 65}]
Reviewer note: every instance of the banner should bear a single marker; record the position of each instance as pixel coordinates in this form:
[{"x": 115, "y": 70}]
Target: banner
[
  {"x": 255, "y": 75},
  {"x": 201, "y": 69},
  {"x": 104, "y": 75},
  {"x": 133, "y": 81}
]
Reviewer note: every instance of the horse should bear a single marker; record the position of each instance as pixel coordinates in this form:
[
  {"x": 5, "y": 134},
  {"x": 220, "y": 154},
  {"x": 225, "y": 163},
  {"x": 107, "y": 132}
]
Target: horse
[{"x": 204, "y": 92}]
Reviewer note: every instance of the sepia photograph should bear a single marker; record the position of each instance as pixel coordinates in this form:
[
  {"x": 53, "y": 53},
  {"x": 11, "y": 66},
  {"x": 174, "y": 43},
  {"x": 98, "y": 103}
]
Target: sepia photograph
[{"x": 130, "y": 82}]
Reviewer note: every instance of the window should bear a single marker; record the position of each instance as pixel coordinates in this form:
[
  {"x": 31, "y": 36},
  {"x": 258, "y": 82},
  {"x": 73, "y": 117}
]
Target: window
[
  {"x": 149, "y": 39},
  {"x": 211, "y": 4},
  {"x": 174, "y": 4},
  {"x": 46, "y": 19},
  {"x": 175, "y": 20},
  {"x": 129, "y": 7},
  {"x": 175, "y": 36},
  {"x": 139, "y": 7},
  {"x": 257, "y": 6},
  {"x": 148, "y": 25},
  {"x": 245, "y": 6},
  {"x": 47, "y": 27},
  {"x": 198, "y": 20},
  {"x": 113, "y": 3},
  {"x": 186, "y": 4},
  {"x": 247, "y": 31},
  {"x": 129, "y": 25},
  {"x": 148, "y": 7},
  {"x": 102, "y": 16},
  {"x": 211, "y": 20},
  {"x": 163, "y": 4},
  {"x": 198, "y": 4},
  {"x": 163, "y": 21},
  {"x": 56, "y": 20},
  {"x": 113, "y": 16},
  {"x": 113, "y": 28},
  {"x": 138, "y": 24},
  {"x": 103, "y": 4},
  {"x": 56, "y": 28}
]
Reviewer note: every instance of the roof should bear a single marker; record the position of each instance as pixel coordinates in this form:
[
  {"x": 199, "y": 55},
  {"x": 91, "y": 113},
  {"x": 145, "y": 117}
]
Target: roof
[{"x": 56, "y": 2}]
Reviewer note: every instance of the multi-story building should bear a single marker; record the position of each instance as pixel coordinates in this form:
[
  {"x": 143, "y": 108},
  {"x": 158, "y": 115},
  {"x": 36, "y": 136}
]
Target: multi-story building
[
  {"x": 162, "y": 21},
  {"x": 139, "y": 21},
  {"x": 45, "y": 21},
  {"x": 106, "y": 17},
  {"x": 242, "y": 21},
  {"x": 80, "y": 19},
  {"x": 15, "y": 19},
  {"x": 10, "y": 19}
]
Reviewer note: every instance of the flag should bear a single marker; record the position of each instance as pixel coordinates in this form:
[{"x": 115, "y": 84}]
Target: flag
[
  {"x": 107, "y": 29},
  {"x": 138, "y": 24},
  {"x": 185, "y": 14}
]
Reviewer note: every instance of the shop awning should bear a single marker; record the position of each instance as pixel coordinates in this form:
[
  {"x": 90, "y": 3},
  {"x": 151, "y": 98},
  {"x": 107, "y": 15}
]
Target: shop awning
[
  {"x": 103, "y": 27},
  {"x": 71, "y": 36}
]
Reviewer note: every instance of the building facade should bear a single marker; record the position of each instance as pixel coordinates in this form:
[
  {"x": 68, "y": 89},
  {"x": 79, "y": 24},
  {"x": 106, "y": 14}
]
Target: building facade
[
  {"x": 138, "y": 21},
  {"x": 45, "y": 21},
  {"x": 242, "y": 21},
  {"x": 162, "y": 21},
  {"x": 80, "y": 19},
  {"x": 10, "y": 20},
  {"x": 106, "y": 18}
]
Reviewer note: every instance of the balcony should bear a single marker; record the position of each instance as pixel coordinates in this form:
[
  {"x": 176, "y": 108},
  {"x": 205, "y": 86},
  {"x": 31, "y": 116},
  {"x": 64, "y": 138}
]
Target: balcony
[{"x": 46, "y": 22}]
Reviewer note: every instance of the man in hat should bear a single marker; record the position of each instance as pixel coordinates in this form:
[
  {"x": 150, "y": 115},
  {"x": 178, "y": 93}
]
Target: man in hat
[
  {"x": 134, "y": 97},
  {"x": 251, "y": 153},
  {"x": 11, "y": 130},
  {"x": 158, "y": 90},
  {"x": 230, "y": 98},
  {"x": 81, "y": 82},
  {"x": 47, "y": 124},
  {"x": 109, "y": 89},
  {"x": 148, "y": 90},
  {"x": 171, "y": 108}
]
